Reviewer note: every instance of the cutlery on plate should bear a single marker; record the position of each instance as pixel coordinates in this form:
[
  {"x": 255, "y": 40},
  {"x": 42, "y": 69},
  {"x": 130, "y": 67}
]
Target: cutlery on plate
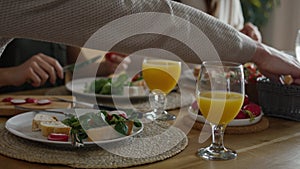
[
  {"x": 132, "y": 113},
  {"x": 89, "y": 105},
  {"x": 66, "y": 112}
]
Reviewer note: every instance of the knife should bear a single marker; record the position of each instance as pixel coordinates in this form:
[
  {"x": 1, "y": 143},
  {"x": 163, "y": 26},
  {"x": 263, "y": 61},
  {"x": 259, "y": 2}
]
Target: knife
[
  {"x": 89, "y": 105},
  {"x": 71, "y": 67},
  {"x": 101, "y": 107}
]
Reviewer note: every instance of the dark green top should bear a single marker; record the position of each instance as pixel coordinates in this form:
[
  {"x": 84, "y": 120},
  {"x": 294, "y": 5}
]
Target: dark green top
[{"x": 20, "y": 50}]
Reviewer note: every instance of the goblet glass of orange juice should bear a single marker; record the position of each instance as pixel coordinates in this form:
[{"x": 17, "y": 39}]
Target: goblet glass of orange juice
[
  {"x": 220, "y": 92},
  {"x": 161, "y": 76}
]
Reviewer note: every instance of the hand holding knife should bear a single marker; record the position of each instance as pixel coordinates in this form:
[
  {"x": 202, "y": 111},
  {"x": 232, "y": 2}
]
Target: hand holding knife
[{"x": 74, "y": 66}]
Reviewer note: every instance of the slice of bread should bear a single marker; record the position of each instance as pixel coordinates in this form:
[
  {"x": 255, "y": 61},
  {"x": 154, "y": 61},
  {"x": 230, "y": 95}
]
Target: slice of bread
[
  {"x": 48, "y": 127},
  {"x": 38, "y": 118}
]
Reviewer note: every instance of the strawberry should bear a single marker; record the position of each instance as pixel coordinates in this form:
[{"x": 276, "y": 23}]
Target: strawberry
[
  {"x": 119, "y": 113},
  {"x": 7, "y": 99},
  {"x": 241, "y": 115},
  {"x": 30, "y": 100},
  {"x": 195, "y": 105},
  {"x": 253, "y": 108},
  {"x": 246, "y": 100}
]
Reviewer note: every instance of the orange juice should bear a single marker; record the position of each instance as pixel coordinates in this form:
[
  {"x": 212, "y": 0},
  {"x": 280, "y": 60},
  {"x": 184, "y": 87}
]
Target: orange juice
[
  {"x": 161, "y": 74},
  {"x": 220, "y": 107}
]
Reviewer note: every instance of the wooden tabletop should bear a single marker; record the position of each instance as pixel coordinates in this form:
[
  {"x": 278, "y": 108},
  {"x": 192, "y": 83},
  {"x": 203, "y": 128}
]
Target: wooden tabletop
[{"x": 275, "y": 147}]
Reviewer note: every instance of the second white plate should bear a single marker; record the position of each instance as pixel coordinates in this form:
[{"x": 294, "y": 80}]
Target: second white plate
[
  {"x": 236, "y": 122},
  {"x": 78, "y": 86}
]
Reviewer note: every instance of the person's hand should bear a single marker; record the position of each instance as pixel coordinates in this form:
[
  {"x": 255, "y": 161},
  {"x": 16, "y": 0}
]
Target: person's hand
[
  {"x": 273, "y": 64},
  {"x": 37, "y": 70},
  {"x": 252, "y": 31},
  {"x": 112, "y": 62}
]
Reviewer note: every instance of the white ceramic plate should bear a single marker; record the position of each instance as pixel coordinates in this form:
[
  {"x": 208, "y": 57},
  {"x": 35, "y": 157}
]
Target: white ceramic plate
[
  {"x": 21, "y": 125},
  {"x": 188, "y": 74},
  {"x": 236, "y": 122},
  {"x": 78, "y": 86}
]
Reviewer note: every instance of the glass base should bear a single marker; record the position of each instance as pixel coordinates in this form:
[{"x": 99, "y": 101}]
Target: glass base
[
  {"x": 165, "y": 116},
  {"x": 220, "y": 154}
]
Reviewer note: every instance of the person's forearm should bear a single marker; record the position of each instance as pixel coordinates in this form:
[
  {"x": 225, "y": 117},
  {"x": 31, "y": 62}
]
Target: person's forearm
[{"x": 74, "y": 22}]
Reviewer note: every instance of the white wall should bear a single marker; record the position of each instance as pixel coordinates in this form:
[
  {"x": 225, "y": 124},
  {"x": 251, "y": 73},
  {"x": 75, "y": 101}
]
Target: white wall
[{"x": 280, "y": 31}]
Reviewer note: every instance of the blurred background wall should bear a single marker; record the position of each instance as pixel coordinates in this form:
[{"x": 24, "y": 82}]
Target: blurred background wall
[{"x": 281, "y": 28}]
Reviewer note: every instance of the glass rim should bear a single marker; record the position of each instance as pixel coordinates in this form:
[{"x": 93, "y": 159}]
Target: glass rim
[
  {"x": 221, "y": 64},
  {"x": 159, "y": 59}
]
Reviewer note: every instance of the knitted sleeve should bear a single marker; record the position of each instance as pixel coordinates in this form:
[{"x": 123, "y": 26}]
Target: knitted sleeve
[{"x": 126, "y": 26}]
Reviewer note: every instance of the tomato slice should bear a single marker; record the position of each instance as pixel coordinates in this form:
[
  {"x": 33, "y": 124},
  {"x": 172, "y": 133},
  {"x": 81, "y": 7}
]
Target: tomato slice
[
  {"x": 7, "y": 99},
  {"x": 30, "y": 100},
  {"x": 58, "y": 137},
  {"x": 18, "y": 101},
  {"x": 109, "y": 55},
  {"x": 43, "y": 102}
]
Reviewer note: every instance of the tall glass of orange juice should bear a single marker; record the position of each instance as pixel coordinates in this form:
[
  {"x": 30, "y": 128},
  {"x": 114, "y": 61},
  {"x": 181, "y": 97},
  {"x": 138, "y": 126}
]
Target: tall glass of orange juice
[
  {"x": 161, "y": 76},
  {"x": 220, "y": 94}
]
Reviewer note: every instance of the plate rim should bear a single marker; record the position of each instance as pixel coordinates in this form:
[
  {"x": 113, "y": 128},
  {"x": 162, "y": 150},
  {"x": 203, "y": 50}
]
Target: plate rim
[
  {"x": 187, "y": 72},
  {"x": 68, "y": 86},
  {"x": 8, "y": 126},
  {"x": 234, "y": 123}
]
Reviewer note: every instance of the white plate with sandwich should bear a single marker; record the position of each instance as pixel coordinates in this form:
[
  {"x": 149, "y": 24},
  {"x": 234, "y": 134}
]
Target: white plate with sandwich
[{"x": 26, "y": 126}]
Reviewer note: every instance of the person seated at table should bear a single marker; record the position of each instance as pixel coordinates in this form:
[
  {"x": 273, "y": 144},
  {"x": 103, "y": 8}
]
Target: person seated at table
[
  {"x": 229, "y": 12},
  {"x": 62, "y": 25},
  {"x": 29, "y": 64}
]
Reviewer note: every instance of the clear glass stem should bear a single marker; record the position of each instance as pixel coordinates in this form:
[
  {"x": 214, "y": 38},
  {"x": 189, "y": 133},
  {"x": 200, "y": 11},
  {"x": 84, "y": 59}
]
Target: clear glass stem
[
  {"x": 217, "y": 137},
  {"x": 157, "y": 100},
  {"x": 217, "y": 151}
]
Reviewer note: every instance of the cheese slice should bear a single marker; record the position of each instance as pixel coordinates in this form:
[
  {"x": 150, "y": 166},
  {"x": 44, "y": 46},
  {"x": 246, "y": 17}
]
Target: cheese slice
[{"x": 107, "y": 132}]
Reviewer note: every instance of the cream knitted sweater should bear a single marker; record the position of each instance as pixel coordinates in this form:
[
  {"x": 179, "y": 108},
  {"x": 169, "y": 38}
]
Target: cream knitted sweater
[{"x": 73, "y": 22}]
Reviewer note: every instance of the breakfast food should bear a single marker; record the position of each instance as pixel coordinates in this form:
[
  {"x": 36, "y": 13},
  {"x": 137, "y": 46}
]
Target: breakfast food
[
  {"x": 249, "y": 110},
  {"x": 48, "y": 127},
  {"x": 43, "y": 101},
  {"x": 251, "y": 73},
  {"x": 92, "y": 126},
  {"x": 28, "y": 100},
  {"x": 102, "y": 125},
  {"x": 38, "y": 118},
  {"x": 108, "y": 132},
  {"x": 287, "y": 79},
  {"x": 58, "y": 137},
  {"x": 117, "y": 84},
  {"x": 18, "y": 101},
  {"x": 7, "y": 99},
  {"x": 102, "y": 133},
  {"x": 196, "y": 70}
]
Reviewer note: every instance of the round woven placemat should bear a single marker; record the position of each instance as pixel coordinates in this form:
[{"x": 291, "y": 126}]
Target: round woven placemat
[
  {"x": 158, "y": 141},
  {"x": 257, "y": 127},
  {"x": 175, "y": 100}
]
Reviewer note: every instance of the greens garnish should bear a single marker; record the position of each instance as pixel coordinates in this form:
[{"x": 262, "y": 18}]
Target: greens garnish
[
  {"x": 99, "y": 119},
  {"x": 108, "y": 86}
]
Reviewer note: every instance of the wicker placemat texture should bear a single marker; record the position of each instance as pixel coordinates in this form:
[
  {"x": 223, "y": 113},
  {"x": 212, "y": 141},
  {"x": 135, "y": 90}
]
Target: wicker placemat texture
[
  {"x": 257, "y": 127},
  {"x": 158, "y": 141}
]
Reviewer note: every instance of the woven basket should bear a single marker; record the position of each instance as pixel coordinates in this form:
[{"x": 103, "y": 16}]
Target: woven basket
[{"x": 279, "y": 100}]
